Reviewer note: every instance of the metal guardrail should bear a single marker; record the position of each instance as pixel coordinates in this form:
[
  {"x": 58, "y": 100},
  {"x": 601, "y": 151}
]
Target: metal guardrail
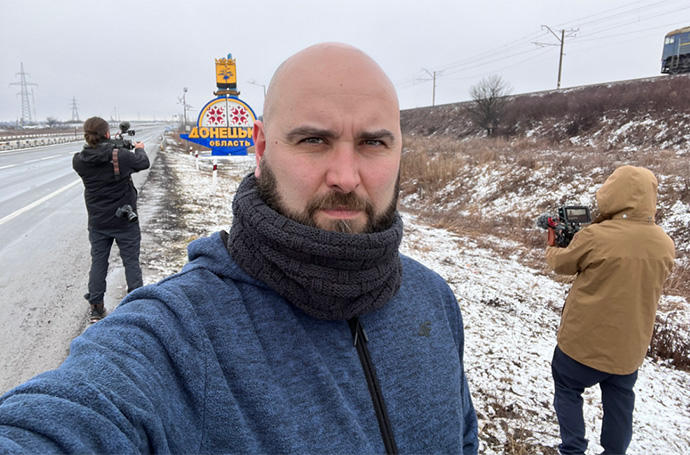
[
  {"x": 36, "y": 140},
  {"x": 37, "y": 135}
]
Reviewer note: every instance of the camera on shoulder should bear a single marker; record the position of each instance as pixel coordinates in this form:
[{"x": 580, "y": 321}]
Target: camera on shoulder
[
  {"x": 565, "y": 225},
  {"x": 119, "y": 141}
]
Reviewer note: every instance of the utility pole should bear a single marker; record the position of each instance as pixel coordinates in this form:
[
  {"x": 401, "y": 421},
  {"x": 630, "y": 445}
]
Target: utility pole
[
  {"x": 184, "y": 105},
  {"x": 560, "y": 60},
  {"x": 24, "y": 94},
  {"x": 253, "y": 82},
  {"x": 433, "y": 89},
  {"x": 75, "y": 113},
  {"x": 561, "y": 40},
  {"x": 183, "y": 100}
]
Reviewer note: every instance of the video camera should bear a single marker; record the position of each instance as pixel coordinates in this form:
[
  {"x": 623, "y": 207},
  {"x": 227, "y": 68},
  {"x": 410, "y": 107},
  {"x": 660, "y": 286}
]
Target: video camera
[
  {"x": 564, "y": 226},
  {"x": 119, "y": 140}
]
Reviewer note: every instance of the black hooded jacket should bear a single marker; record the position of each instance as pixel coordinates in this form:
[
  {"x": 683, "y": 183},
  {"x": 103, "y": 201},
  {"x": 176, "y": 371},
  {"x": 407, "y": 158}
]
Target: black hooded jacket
[{"x": 105, "y": 192}]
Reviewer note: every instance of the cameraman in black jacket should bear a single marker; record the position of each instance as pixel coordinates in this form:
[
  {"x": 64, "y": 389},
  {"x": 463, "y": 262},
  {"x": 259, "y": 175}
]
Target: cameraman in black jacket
[{"x": 111, "y": 202}]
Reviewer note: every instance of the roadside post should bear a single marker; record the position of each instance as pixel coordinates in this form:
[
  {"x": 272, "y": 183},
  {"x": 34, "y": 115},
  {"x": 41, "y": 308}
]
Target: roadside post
[{"x": 215, "y": 174}]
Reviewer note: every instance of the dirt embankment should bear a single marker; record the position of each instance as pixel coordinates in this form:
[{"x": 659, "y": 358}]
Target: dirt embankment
[{"x": 652, "y": 113}]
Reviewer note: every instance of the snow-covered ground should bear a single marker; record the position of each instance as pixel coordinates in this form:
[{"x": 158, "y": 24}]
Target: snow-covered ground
[
  {"x": 510, "y": 311},
  {"x": 511, "y": 315}
]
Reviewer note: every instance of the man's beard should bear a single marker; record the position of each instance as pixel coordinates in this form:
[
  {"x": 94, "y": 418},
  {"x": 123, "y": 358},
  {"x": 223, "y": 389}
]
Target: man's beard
[{"x": 267, "y": 186}]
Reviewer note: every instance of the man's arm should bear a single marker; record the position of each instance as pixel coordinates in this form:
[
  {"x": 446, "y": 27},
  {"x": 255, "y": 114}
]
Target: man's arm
[
  {"x": 470, "y": 441},
  {"x": 139, "y": 160},
  {"x": 570, "y": 260},
  {"x": 76, "y": 163},
  {"x": 114, "y": 393}
]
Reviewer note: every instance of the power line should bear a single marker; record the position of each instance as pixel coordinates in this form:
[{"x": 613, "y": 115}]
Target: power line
[
  {"x": 636, "y": 31},
  {"x": 581, "y": 21},
  {"x": 621, "y": 17},
  {"x": 476, "y": 75},
  {"x": 638, "y": 20},
  {"x": 495, "y": 58},
  {"x": 505, "y": 47}
]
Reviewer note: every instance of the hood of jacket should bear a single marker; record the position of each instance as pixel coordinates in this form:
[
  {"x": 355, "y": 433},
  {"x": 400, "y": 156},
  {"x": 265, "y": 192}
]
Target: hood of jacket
[
  {"x": 630, "y": 192},
  {"x": 97, "y": 155}
]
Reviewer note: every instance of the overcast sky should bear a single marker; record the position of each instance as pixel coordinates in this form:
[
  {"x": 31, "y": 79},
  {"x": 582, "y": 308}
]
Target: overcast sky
[{"x": 132, "y": 59}]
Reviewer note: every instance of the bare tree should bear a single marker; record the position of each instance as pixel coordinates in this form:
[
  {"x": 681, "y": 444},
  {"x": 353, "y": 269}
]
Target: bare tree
[
  {"x": 488, "y": 103},
  {"x": 52, "y": 122}
]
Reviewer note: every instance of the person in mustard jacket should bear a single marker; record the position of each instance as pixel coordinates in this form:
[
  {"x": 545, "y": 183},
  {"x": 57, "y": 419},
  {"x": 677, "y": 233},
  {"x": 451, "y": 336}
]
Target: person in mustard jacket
[{"x": 621, "y": 261}]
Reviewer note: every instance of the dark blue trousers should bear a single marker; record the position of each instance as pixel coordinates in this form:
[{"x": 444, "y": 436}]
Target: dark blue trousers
[
  {"x": 618, "y": 399},
  {"x": 128, "y": 242}
]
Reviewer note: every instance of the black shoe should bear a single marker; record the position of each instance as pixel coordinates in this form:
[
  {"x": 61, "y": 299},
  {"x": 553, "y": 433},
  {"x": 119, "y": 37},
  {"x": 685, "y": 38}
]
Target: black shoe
[{"x": 97, "y": 312}]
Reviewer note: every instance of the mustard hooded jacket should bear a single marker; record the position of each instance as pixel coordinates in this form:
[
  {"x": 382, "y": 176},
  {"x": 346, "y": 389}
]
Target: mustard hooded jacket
[{"x": 622, "y": 261}]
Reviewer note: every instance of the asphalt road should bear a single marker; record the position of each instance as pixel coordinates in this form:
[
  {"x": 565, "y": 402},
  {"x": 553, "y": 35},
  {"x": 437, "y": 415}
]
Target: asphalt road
[{"x": 44, "y": 256}]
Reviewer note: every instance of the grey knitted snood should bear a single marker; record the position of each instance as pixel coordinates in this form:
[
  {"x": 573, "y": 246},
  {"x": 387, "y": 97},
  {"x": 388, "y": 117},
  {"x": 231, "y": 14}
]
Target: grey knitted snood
[{"x": 328, "y": 275}]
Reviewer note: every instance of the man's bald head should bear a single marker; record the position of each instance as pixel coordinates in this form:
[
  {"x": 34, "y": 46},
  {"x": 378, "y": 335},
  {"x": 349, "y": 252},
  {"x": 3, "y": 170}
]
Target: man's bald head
[
  {"x": 328, "y": 149},
  {"x": 328, "y": 66}
]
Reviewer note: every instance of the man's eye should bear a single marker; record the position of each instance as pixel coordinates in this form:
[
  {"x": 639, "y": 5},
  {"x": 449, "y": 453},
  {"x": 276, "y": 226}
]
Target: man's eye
[
  {"x": 373, "y": 143},
  {"x": 311, "y": 140}
]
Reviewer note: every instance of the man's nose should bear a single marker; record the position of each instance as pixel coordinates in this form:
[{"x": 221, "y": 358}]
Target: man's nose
[{"x": 343, "y": 168}]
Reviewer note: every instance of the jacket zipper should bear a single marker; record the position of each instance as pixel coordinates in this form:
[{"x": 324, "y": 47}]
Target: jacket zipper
[{"x": 360, "y": 342}]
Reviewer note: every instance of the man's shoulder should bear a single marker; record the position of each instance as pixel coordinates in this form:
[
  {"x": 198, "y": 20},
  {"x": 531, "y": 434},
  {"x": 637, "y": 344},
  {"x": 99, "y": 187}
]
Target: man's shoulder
[
  {"x": 414, "y": 268},
  {"x": 190, "y": 293},
  {"x": 418, "y": 278},
  {"x": 76, "y": 161},
  {"x": 209, "y": 270}
]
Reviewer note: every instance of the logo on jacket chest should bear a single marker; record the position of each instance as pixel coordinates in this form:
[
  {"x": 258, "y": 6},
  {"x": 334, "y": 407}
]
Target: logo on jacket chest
[{"x": 424, "y": 329}]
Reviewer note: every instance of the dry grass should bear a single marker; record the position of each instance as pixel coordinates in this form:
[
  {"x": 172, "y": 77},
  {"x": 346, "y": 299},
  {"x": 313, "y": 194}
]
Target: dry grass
[
  {"x": 678, "y": 283},
  {"x": 668, "y": 344},
  {"x": 506, "y": 420},
  {"x": 438, "y": 171}
]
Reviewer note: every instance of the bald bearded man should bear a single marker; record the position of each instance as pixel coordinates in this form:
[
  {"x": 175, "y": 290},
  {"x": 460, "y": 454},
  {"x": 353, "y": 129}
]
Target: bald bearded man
[{"x": 302, "y": 330}]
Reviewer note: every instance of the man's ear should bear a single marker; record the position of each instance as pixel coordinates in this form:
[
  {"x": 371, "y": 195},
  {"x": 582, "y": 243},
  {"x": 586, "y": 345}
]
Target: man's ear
[
  {"x": 107, "y": 135},
  {"x": 259, "y": 137}
]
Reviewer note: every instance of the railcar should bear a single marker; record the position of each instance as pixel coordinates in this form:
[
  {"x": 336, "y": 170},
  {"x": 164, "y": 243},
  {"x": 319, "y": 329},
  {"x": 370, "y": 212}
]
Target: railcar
[{"x": 675, "y": 57}]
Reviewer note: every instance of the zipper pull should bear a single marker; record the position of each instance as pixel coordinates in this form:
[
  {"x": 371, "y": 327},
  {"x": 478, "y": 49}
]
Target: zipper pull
[{"x": 356, "y": 328}]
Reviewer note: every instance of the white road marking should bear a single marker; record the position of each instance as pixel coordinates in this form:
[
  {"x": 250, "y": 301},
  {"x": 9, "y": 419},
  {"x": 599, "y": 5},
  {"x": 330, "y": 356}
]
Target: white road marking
[
  {"x": 39, "y": 159},
  {"x": 16, "y": 213},
  {"x": 38, "y": 146}
]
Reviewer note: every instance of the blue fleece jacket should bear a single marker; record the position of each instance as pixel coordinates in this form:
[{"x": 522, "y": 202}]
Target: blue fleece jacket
[{"x": 210, "y": 360}]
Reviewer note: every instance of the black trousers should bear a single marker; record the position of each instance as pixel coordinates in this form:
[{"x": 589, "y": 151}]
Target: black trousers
[{"x": 128, "y": 242}]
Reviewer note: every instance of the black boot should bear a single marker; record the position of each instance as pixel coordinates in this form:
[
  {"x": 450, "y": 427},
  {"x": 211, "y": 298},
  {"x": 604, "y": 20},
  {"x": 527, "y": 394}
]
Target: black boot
[{"x": 97, "y": 312}]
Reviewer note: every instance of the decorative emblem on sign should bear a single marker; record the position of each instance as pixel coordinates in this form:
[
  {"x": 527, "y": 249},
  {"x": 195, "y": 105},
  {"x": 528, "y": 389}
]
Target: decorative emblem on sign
[
  {"x": 226, "y": 123},
  {"x": 226, "y": 74}
]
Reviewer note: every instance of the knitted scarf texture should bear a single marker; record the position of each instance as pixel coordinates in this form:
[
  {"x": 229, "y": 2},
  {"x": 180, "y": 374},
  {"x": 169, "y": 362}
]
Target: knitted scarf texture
[{"x": 328, "y": 275}]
